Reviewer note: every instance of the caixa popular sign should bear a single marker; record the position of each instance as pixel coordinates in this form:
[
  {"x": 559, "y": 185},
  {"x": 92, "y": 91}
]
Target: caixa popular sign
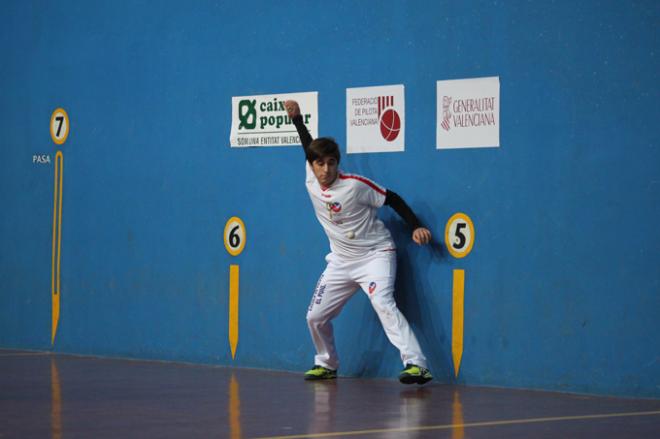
[{"x": 262, "y": 120}]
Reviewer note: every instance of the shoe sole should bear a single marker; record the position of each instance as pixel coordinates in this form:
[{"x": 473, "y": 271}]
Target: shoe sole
[
  {"x": 411, "y": 379},
  {"x": 315, "y": 378}
]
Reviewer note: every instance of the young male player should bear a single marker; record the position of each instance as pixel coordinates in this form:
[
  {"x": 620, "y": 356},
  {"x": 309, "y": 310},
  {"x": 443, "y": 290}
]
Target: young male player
[{"x": 362, "y": 255}]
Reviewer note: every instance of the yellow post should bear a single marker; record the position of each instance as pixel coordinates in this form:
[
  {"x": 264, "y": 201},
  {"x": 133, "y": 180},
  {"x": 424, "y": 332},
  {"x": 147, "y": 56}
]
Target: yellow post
[
  {"x": 233, "y": 308},
  {"x": 457, "y": 319},
  {"x": 57, "y": 243}
]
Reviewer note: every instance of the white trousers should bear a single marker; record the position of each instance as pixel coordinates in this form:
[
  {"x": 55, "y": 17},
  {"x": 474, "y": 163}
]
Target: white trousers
[{"x": 375, "y": 273}]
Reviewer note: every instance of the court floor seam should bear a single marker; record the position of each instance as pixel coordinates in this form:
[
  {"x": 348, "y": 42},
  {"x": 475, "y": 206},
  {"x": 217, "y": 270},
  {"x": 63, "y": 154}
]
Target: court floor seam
[
  {"x": 465, "y": 425},
  {"x": 24, "y": 354}
]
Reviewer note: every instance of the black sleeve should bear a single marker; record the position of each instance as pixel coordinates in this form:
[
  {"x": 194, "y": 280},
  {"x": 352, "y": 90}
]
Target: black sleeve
[
  {"x": 396, "y": 202},
  {"x": 303, "y": 133}
]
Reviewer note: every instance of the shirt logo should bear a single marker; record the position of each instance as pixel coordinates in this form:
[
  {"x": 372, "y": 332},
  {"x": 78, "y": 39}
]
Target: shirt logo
[
  {"x": 334, "y": 206},
  {"x": 372, "y": 287}
]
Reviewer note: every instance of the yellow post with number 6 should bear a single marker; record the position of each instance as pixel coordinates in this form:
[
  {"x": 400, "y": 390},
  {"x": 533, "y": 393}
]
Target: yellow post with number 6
[{"x": 234, "y": 239}]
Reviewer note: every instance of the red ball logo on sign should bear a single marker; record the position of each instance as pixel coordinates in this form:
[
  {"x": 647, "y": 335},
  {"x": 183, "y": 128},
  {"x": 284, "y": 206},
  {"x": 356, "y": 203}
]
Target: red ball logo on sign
[{"x": 390, "y": 125}]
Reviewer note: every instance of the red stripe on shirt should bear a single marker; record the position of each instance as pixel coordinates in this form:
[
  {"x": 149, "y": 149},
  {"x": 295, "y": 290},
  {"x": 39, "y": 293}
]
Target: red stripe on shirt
[{"x": 363, "y": 180}]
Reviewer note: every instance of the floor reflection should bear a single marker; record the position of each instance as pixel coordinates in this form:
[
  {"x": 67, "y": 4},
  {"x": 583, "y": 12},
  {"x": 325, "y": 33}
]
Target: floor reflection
[
  {"x": 234, "y": 408},
  {"x": 458, "y": 431},
  {"x": 325, "y": 395},
  {"x": 413, "y": 406},
  {"x": 56, "y": 401},
  {"x": 108, "y": 399}
]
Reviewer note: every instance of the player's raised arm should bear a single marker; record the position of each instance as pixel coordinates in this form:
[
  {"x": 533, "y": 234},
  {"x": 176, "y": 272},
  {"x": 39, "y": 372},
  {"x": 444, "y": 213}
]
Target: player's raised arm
[
  {"x": 293, "y": 111},
  {"x": 421, "y": 235}
]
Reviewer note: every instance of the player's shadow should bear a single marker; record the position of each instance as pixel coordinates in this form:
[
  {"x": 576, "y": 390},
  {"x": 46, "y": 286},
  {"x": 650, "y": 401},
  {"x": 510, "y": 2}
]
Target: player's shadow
[
  {"x": 420, "y": 298},
  {"x": 418, "y": 295}
]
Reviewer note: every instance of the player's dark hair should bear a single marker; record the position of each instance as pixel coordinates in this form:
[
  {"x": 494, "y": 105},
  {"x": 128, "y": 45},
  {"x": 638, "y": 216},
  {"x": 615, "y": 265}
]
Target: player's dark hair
[{"x": 323, "y": 147}]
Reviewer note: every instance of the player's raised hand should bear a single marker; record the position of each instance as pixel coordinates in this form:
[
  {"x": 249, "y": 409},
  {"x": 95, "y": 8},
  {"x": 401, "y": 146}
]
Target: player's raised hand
[
  {"x": 292, "y": 108},
  {"x": 421, "y": 236}
]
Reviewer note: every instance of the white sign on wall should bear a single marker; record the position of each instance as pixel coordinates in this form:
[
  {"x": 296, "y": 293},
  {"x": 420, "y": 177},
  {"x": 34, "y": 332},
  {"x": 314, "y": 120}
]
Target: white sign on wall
[
  {"x": 375, "y": 119},
  {"x": 468, "y": 113},
  {"x": 262, "y": 120}
]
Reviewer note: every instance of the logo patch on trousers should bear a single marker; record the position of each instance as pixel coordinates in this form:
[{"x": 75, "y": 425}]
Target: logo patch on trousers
[
  {"x": 318, "y": 293},
  {"x": 372, "y": 287}
]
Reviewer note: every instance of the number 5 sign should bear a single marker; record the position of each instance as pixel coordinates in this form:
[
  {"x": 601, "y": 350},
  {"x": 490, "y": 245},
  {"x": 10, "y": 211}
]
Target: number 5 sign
[
  {"x": 459, "y": 235},
  {"x": 234, "y": 236}
]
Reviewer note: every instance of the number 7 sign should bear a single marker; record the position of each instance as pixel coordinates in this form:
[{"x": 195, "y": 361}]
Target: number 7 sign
[{"x": 59, "y": 126}]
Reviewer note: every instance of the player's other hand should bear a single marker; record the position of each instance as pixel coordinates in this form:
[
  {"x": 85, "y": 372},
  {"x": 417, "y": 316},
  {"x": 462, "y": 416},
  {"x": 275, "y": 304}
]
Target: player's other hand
[
  {"x": 292, "y": 108},
  {"x": 421, "y": 236}
]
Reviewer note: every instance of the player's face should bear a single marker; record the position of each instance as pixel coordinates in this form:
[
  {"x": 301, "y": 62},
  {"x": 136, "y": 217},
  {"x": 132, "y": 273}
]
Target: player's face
[{"x": 325, "y": 170}]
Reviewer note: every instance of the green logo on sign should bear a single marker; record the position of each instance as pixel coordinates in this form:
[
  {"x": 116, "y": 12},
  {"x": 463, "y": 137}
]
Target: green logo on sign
[{"x": 247, "y": 113}]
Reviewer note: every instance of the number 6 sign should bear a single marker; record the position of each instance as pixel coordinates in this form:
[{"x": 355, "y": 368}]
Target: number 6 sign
[
  {"x": 234, "y": 236},
  {"x": 459, "y": 235}
]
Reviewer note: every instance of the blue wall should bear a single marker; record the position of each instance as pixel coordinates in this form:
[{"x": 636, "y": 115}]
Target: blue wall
[{"x": 562, "y": 286}]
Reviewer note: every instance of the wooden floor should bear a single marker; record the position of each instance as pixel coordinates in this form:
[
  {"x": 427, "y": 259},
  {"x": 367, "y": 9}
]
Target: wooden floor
[{"x": 58, "y": 396}]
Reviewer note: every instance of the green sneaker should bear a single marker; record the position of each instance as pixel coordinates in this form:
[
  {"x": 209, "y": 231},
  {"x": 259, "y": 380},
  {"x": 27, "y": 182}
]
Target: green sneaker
[
  {"x": 320, "y": 373},
  {"x": 415, "y": 374}
]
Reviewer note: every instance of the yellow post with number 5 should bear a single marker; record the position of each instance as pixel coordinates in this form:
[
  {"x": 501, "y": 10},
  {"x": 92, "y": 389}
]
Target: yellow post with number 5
[{"x": 459, "y": 239}]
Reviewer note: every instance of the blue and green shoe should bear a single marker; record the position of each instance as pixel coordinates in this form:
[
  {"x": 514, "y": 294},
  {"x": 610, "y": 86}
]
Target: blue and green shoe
[
  {"x": 414, "y": 374},
  {"x": 320, "y": 373}
]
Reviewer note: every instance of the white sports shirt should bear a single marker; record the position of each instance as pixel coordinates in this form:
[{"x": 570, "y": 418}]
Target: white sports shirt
[{"x": 347, "y": 212}]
